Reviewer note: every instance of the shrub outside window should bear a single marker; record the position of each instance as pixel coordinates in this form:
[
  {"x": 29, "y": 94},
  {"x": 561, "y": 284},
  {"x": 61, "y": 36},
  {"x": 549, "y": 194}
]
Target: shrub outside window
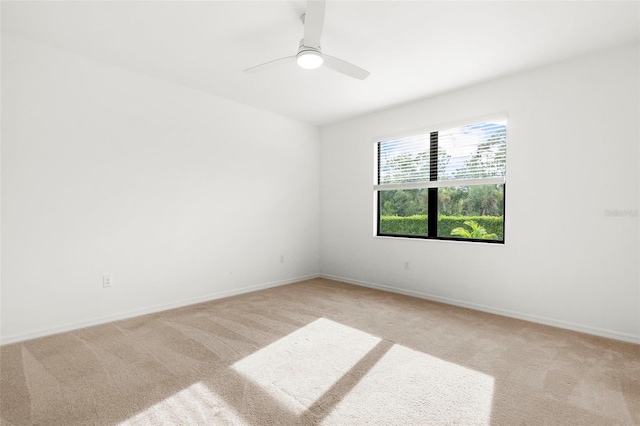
[{"x": 447, "y": 184}]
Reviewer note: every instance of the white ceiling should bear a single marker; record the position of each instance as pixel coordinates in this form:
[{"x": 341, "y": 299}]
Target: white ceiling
[{"x": 413, "y": 49}]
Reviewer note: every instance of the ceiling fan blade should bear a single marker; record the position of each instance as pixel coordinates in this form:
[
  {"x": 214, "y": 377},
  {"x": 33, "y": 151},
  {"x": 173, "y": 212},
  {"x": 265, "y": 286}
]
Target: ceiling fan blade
[
  {"x": 270, "y": 64},
  {"x": 344, "y": 67},
  {"x": 313, "y": 22}
]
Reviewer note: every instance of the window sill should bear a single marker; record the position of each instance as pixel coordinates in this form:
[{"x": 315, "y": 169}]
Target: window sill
[{"x": 440, "y": 239}]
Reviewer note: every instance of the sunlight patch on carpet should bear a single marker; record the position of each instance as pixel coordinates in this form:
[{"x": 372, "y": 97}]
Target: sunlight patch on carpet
[
  {"x": 193, "y": 405},
  {"x": 302, "y": 366},
  {"x": 345, "y": 376},
  {"x": 410, "y": 387}
]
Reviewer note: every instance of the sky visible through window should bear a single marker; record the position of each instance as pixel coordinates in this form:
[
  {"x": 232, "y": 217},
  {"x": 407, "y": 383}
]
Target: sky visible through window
[{"x": 463, "y": 143}]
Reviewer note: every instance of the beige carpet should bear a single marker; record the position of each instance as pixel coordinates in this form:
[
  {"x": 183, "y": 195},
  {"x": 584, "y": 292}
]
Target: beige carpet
[{"x": 320, "y": 352}]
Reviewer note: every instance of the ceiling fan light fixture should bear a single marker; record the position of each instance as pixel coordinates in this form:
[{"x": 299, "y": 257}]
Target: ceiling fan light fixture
[{"x": 309, "y": 59}]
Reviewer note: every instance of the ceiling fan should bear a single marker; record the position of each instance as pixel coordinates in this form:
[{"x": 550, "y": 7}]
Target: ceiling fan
[{"x": 310, "y": 54}]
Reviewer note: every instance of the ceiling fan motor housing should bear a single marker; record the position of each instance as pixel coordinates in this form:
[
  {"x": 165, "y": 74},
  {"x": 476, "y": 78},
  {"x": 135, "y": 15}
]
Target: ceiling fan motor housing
[{"x": 304, "y": 48}]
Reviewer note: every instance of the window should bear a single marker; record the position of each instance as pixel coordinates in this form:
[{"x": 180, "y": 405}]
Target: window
[{"x": 447, "y": 184}]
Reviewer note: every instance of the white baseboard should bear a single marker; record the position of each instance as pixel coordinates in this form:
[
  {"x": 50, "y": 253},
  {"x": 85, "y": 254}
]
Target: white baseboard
[
  {"x": 504, "y": 312},
  {"x": 19, "y": 337}
]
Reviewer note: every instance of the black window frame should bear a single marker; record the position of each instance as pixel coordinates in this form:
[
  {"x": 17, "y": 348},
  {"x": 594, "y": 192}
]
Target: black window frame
[{"x": 432, "y": 202}]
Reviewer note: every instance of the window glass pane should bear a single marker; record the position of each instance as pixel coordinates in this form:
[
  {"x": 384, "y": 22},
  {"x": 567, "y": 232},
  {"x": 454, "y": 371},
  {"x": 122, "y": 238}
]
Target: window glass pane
[
  {"x": 473, "y": 151},
  {"x": 404, "y": 160},
  {"x": 403, "y": 212},
  {"x": 471, "y": 212}
]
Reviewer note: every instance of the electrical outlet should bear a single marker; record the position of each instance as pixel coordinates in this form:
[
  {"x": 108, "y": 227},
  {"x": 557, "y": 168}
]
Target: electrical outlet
[
  {"x": 107, "y": 282},
  {"x": 406, "y": 265},
  {"x": 281, "y": 258}
]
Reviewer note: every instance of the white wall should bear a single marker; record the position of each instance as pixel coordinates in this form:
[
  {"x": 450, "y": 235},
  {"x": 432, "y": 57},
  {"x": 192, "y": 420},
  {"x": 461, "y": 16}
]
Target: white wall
[
  {"x": 572, "y": 153},
  {"x": 179, "y": 195}
]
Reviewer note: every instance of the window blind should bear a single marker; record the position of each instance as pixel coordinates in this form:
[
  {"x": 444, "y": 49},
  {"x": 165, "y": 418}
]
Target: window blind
[
  {"x": 467, "y": 155},
  {"x": 403, "y": 160}
]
